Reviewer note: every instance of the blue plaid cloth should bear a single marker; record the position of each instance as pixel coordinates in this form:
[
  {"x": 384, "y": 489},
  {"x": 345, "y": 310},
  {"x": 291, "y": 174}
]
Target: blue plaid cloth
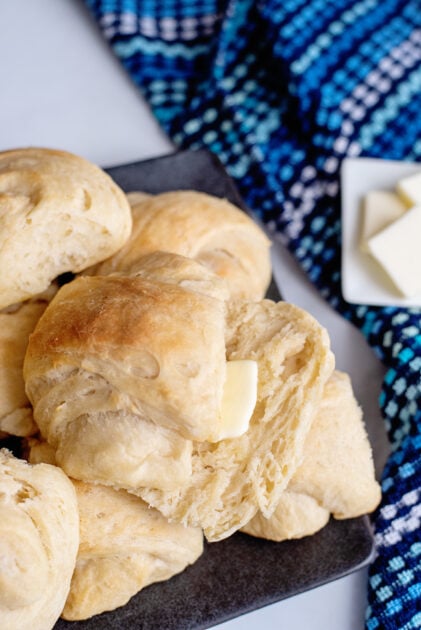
[{"x": 282, "y": 91}]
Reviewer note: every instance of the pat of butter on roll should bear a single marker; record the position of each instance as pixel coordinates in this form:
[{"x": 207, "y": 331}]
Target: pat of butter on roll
[
  {"x": 238, "y": 399},
  {"x": 398, "y": 249}
]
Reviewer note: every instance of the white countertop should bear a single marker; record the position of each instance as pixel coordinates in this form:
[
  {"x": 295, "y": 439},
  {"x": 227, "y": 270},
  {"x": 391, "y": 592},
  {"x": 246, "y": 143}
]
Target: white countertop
[{"x": 63, "y": 88}]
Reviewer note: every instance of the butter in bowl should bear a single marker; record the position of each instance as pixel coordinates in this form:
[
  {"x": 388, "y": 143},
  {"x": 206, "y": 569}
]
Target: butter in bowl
[{"x": 381, "y": 235}]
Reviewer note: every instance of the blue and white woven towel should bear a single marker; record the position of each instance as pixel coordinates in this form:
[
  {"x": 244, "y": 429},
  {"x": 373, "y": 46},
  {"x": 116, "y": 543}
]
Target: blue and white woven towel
[{"x": 282, "y": 91}]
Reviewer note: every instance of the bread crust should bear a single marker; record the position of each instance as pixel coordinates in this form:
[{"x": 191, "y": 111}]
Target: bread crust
[{"x": 58, "y": 213}]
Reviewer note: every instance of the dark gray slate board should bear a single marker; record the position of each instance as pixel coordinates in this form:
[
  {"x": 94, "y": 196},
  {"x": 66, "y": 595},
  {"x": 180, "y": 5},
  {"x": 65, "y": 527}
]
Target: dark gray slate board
[{"x": 240, "y": 574}]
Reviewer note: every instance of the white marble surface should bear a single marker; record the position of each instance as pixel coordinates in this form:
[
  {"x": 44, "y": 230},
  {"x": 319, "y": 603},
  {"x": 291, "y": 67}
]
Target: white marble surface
[{"x": 62, "y": 88}]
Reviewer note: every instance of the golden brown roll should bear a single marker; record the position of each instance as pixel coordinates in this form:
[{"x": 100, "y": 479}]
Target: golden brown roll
[
  {"x": 234, "y": 478},
  {"x": 123, "y": 373},
  {"x": 59, "y": 213},
  {"x": 124, "y": 546},
  {"x": 39, "y": 538},
  {"x": 200, "y": 226},
  {"x": 337, "y": 473}
]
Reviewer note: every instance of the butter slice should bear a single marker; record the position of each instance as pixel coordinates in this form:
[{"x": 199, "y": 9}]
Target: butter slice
[
  {"x": 238, "y": 399},
  {"x": 398, "y": 250},
  {"x": 380, "y": 208},
  {"x": 409, "y": 189}
]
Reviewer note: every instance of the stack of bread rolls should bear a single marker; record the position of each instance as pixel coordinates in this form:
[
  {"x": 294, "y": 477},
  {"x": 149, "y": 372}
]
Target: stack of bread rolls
[{"x": 158, "y": 394}]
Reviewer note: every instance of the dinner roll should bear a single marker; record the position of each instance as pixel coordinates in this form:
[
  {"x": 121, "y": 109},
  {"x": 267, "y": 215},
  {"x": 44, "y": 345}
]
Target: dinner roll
[
  {"x": 58, "y": 213},
  {"x": 336, "y": 475},
  {"x": 124, "y": 546},
  {"x": 200, "y": 226},
  {"x": 39, "y": 538},
  {"x": 123, "y": 373}
]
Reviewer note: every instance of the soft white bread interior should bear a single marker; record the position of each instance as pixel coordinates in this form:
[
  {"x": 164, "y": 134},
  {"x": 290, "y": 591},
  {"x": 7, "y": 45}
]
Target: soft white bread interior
[
  {"x": 233, "y": 479},
  {"x": 39, "y": 538},
  {"x": 199, "y": 226},
  {"x": 124, "y": 546},
  {"x": 337, "y": 473},
  {"x": 58, "y": 213},
  {"x": 16, "y": 324},
  {"x": 123, "y": 373}
]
